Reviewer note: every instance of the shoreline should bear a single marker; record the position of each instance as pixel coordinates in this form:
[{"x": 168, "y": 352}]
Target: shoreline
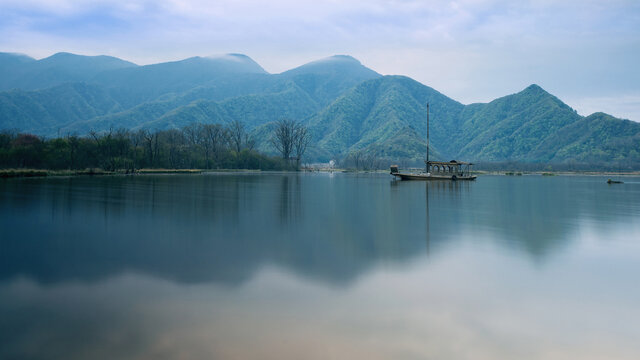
[
  {"x": 29, "y": 173},
  {"x": 559, "y": 173},
  {"x": 26, "y": 173}
]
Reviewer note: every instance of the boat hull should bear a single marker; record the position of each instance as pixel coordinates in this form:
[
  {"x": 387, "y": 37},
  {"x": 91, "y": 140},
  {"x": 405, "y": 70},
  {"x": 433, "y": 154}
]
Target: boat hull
[{"x": 429, "y": 177}]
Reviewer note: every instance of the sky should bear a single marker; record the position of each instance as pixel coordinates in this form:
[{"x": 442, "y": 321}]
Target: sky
[{"x": 585, "y": 52}]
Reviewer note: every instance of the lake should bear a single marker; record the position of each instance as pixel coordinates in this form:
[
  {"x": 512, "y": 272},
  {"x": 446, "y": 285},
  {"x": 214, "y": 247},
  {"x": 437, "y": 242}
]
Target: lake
[{"x": 319, "y": 266}]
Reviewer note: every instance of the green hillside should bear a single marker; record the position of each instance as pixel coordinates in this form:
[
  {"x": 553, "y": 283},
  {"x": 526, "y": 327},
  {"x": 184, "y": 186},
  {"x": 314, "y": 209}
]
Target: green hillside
[
  {"x": 388, "y": 115},
  {"x": 512, "y": 127},
  {"x": 252, "y": 110},
  {"x": 146, "y": 83},
  {"x": 47, "y": 109},
  {"x": 348, "y": 108},
  {"x": 22, "y": 72},
  {"x": 376, "y": 112},
  {"x": 326, "y": 79},
  {"x": 597, "y": 138},
  {"x": 166, "y": 95}
]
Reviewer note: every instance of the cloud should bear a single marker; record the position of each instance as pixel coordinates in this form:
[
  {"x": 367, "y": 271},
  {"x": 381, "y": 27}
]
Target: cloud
[
  {"x": 354, "y": 23},
  {"x": 471, "y": 50}
]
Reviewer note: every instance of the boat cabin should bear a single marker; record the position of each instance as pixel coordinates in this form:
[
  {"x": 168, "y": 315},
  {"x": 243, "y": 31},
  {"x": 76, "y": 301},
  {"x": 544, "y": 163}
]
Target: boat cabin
[{"x": 449, "y": 168}]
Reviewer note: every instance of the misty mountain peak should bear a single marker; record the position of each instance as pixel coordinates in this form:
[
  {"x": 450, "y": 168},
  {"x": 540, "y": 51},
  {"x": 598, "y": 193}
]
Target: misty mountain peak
[
  {"x": 336, "y": 60},
  {"x": 246, "y": 63},
  {"x": 336, "y": 64},
  {"x": 344, "y": 58},
  {"x": 64, "y": 54},
  {"x": 102, "y": 62},
  {"x": 231, "y": 57}
]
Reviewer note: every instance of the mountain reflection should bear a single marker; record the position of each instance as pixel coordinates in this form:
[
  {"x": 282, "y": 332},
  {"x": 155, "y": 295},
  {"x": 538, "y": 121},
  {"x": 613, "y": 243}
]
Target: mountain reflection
[{"x": 223, "y": 227}]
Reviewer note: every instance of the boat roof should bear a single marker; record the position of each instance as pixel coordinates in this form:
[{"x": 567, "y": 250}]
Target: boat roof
[{"x": 452, "y": 162}]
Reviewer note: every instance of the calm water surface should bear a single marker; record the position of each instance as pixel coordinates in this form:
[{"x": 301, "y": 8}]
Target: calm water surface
[{"x": 319, "y": 266}]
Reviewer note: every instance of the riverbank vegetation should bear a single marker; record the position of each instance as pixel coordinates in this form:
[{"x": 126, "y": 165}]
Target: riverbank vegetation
[{"x": 197, "y": 146}]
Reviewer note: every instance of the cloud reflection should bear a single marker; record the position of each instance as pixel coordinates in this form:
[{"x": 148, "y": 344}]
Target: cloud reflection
[{"x": 468, "y": 305}]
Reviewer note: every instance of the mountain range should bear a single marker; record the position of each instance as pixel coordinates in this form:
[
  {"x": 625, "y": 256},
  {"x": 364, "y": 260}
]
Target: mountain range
[{"x": 346, "y": 106}]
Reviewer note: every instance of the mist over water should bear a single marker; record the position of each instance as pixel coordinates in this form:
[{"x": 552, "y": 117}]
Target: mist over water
[{"x": 317, "y": 266}]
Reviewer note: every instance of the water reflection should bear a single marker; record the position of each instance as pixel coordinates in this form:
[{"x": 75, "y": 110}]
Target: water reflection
[
  {"x": 223, "y": 228},
  {"x": 532, "y": 215},
  {"x": 468, "y": 305},
  {"x": 290, "y": 200},
  {"x": 282, "y": 266}
]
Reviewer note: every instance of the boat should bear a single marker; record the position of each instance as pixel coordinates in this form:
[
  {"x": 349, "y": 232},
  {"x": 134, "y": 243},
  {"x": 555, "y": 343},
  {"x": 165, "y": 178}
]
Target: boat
[{"x": 437, "y": 170}]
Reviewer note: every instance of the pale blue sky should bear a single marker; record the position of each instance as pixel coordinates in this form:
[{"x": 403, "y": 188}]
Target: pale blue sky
[{"x": 585, "y": 52}]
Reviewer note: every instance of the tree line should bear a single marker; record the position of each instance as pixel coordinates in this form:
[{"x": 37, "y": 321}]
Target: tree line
[
  {"x": 195, "y": 146},
  {"x": 364, "y": 160}
]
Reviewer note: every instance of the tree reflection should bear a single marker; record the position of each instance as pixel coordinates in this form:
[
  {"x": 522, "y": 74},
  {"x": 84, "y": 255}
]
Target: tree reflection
[{"x": 221, "y": 228}]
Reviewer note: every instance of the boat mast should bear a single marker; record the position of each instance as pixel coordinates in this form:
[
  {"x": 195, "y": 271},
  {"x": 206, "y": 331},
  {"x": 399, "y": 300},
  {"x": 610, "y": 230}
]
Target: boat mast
[{"x": 427, "y": 162}]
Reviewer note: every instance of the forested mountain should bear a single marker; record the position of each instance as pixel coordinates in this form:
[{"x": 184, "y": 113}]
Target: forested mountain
[
  {"x": 347, "y": 107},
  {"x": 324, "y": 80},
  {"x": 146, "y": 83},
  {"x": 25, "y": 73},
  {"x": 510, "y": 128},
  {"x": 252, "y": 109},
  {"x": 388, "y": 116},
  {"x": 44, "y": 110},
  {"x": 596, "y": 138},
  {"x": 376, "y": 113}
]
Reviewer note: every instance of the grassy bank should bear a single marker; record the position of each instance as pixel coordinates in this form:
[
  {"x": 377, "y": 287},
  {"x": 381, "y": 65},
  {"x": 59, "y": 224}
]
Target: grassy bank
[
  {"x": 19, "y": 173},
  {"x": 169, "y": 171},
  {"x": 16, "y": 173}
]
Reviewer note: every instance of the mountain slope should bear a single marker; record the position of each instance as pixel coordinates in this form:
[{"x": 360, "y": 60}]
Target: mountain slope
[
  {"x": 511, "y": 127},
  {"x": 375, "y": 112},
  {"x": 147, "y": 83},
  {"x": 252, "y": 110},
  {"x": 159, "y": 96},
  {"x": 347, "y": 107},
  {"x": 35, "y": 111},
  {"x": 22, "y": 72},
  {"x": 530, "y": 126},
  {"x": 597, "y": 138},
  {"x": 326, "y": 79}
]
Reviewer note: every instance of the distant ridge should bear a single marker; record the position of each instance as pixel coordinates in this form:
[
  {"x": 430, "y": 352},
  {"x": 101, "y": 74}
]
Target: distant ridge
[
  {"x": 334, "y": 66},
  {"x": 348, "y": 108},
  {"x": 22, "y": 72},
  {"x": 250, "y": 64}
]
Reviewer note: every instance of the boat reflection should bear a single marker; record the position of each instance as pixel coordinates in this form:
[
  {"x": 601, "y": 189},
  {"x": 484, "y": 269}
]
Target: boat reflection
[{"x": 222, "y": 228}]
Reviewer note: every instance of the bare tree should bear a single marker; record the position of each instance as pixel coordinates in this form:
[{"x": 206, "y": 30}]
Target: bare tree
[
  {"x": 74, "y": 145},
  {"x": 290, "y": 138},
  {"x": 173, "y": 140},
  {"x": 192, "y": 135},
  {"x": 215, "y": 138},
  {"x": 283, "y": 137},
  {"x": 249, "y": 142},
  {"x": 151, "y": 146},
  {"x": 137, "y": 139},
  {"x": 301, "y": 140},
  {"x": 191, "y": 132},
  {"x": 357, "y": 158},
  {"x": 237, "y": 134}
]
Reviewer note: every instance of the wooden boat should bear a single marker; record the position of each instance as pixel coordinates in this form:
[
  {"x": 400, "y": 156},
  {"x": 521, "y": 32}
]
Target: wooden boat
[{"x": 437, "y": 170}]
